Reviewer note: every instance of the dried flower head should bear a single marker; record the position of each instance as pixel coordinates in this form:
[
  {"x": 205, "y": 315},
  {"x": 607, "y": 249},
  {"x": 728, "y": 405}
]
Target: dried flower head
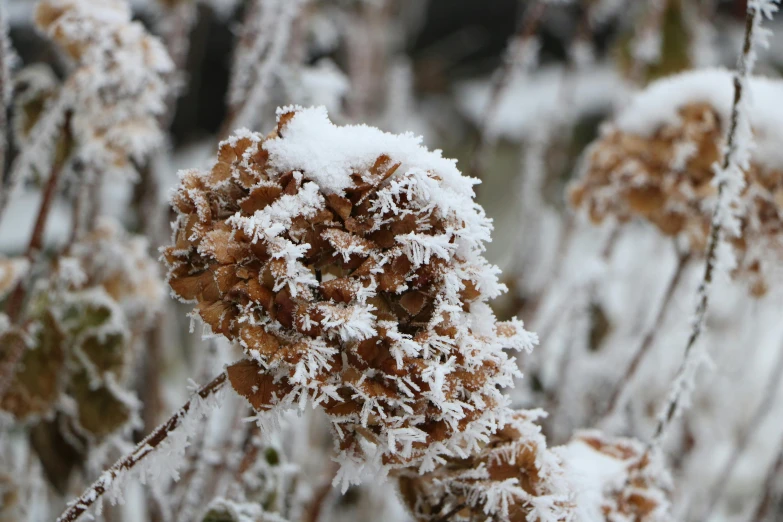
[
  {"x": 514, "y": 477},
  {"x": 660, "y": 166},
  {"x": 348, "y": 264},
  {"x": 614, "y": 478},
  {"x": 117, "y": 88},
  {"x": 77, "y": 332}
]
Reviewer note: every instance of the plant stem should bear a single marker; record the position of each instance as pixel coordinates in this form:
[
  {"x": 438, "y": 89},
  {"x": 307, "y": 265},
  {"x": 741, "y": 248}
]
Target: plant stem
[
  {"x": 5, "y": 89},
  {"x": 142, "y": 450},
  {"x": 15, "y": 302},
  {"x": 451, "y": 513},
  {"x": 761, "y": 413},
  {"x": 762, "y": 511},
  {"x": 649, "y": 337},
  {"x": 716, "y": 233}
]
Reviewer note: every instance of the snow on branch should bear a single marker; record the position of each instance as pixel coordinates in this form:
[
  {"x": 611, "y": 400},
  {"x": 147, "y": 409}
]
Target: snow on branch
[{"x": 168, "y": 443}]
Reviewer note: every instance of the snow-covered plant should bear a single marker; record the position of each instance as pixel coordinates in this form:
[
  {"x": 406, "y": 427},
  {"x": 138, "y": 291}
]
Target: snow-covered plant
[
  {"x": 657, "y": 162},
  {"x": 337, "y": 266},
  {"x": 614, "y": 478},
  {"x": 116, "y": 89},
  {"x": 76, "y": 335},
  {"x": 514, "y": 476},
  {"x": 107, "y": 107},
  {"x": 348, "y": 264}
]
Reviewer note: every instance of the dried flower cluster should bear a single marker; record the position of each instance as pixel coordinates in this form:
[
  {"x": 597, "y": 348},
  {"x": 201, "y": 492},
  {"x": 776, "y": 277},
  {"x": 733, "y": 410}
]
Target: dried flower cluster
[
  {"x": 348, "y": 264},
  {"x": 118, "y": 86},
  {"x": 619, "y": 480},
  {"x": 667, "y": 178},
  {"x": 514, "y": 477},
  {"x": 77, "y": 333}
]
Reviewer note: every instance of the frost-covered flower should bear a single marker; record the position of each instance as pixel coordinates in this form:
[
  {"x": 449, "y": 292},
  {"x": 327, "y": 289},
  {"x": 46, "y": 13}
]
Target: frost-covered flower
[
  {"x": 657, "y": 161},
  {"x": 348, "y": 264},
  {"x": 514, "y": 477},
  {"x": 117, "y": 88},
  {"x": 614, "y": 479}
]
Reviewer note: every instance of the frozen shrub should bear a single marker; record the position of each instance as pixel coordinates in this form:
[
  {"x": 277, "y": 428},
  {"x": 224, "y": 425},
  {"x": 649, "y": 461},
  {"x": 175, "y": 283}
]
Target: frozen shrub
[
  {"x": 515, "y": 477},
  {"x": 348, "y": 264}
]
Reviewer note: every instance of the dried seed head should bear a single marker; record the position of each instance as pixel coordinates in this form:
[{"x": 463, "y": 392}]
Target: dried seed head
[
  {"x": 616, "y": 479},
  {"x": 662, "y": 170},
  {"x": 118, "y": 86},
  {"x": 514, "y": 477},
  {"x": 348, "y": 264}
]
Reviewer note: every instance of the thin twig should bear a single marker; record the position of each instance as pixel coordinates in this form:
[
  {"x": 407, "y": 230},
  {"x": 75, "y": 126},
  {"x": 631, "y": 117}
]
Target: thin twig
[
  {"x": 5, "y": 87},
  {"x": 761, "y": 413},
  {"x": 42, "y": 146},
  {"x": 142, "y": 450},
  {"x": 16, "y": 301},
  {"x": 321, "y": 494},
  {"x": 248, "y": 92},
  {"x": 451, "y": 513},
  {"x": 716, "y": 231},
  {"x": 649, "y": 336},
  {"x": 768, "y": 498}
]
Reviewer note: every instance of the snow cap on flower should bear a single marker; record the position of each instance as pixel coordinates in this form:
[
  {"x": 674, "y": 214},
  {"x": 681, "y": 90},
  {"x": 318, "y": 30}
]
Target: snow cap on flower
[
  {"x": 348, "y": 263},
  {"x": 514, "y": 477},
  {"x": 657, "y": 161}
]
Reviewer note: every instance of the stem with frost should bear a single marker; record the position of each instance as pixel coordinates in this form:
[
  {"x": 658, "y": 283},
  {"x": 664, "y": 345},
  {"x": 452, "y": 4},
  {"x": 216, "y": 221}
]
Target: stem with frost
[
  {"x": 649, "y": 337},
  {"x": 770, "y": 490},
  {"x": 6, "y": 59},
  {"x": 732, "y": 163},
  {"x": 256, "y": 67},
  {"x": 16, "y": 300},
  {"x": 38, "y": 153},
  {"x": 761, "y": 413},
  {"x": 145, "y": 448}
]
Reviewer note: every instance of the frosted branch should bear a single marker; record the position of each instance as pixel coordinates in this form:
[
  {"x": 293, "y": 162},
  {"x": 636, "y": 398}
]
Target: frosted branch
[
  {"x": 730, "y": 180},
  {"x": 143, "y": 450}
]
